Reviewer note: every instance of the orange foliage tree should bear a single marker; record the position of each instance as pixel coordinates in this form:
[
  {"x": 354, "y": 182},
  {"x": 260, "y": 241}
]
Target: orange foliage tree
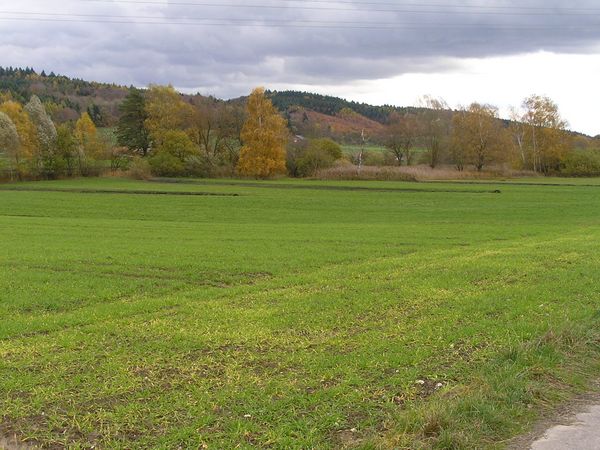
[{"x": 264, "y": 137}]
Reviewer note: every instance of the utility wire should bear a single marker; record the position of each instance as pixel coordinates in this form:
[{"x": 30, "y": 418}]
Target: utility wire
[
  {"x": 216, "y": 22},
  {"x": 442, "y": 5},
  {"x": 549, "y": 12},
  {"x": 279, "y": 22}
]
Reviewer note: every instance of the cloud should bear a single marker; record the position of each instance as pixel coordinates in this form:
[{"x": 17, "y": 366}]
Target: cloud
[{"x": 325, "y": 43}]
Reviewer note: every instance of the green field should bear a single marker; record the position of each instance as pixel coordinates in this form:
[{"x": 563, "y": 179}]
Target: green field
[{"x": 293, "y": 314}]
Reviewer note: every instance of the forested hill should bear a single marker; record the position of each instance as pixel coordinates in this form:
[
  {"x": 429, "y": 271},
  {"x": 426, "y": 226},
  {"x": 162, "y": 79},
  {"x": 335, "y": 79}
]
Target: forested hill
[
  {"x": 332, "y": 106},
  {"x": 65, "y": 98}
]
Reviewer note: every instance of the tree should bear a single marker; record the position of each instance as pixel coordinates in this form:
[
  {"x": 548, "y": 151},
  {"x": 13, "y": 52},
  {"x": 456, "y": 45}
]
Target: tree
[
  {"x": 434, "y": 126},
  {"x": 9, "y": 141},
  {"x": 517, "y": 130},
  {"x": 66, "y": 147},
  {"x": 27, "y": 135},
  {"x": 402, "y": 134},
  {"x": 171, "y": 156},
  {"x": 131, "y": 129},
  {"x": 88, "y": 145},
  {"x": 167, "y": 111},
  {"x": 264, "y": 137},
  {"x": 478, "y": 137},
  {"x": 545, "y": 138},
  {"x": 46, "y": 132},
  {"x": 44, "y": 125}
]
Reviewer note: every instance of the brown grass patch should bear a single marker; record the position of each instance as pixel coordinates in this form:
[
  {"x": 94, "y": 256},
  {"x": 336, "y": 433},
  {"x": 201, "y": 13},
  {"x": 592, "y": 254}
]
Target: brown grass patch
[{"x": 413, "y": 173}]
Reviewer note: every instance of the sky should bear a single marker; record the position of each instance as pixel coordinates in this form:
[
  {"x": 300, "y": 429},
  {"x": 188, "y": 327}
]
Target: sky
[{"x": 375, "y": 51}]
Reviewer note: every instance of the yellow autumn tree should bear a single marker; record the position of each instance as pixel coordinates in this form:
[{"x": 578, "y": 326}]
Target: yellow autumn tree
[
  {"x": 264, "y": 137},
  {"x": 28, "y": 140},
  {"x": 86, "y": 138},
  {"x": 167, "y": 111}
]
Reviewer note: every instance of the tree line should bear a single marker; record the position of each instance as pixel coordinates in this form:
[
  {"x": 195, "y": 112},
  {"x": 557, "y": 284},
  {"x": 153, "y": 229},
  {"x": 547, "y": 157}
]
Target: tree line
[
  {"x": 534, "y": 139},
  {"x": 32, "y": 146},
  {"x": 161, "y": 132}
]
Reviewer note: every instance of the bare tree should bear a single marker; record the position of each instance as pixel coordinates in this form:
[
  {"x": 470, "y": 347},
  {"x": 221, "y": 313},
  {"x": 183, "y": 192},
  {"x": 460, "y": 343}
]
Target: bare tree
[
  {"x": 478, "y": 136},
  {"x": 402, "y": 134},
  {"x": 434, "y": 124}
]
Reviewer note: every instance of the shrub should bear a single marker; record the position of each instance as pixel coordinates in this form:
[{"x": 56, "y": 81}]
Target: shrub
[
  {"x": 164, "y": 164},
  {"x": 312, "y": 160},
  {"x": 169, "y": 159},
  {"x": 581, "y": 163},
  {"x": 139, "y": 169},
  {"x": 199, "y": 166},
  {"x": 328, "y": 146},
  {"x": 305, "y": 159}
]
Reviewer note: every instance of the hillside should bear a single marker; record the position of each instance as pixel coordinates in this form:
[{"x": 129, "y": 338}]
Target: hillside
[
  {"x": 332, "y": 106},
  {"x": 65, "y": 98},
  {"x": 346, "y": 126},
  {"x": 308, "y": 114}
]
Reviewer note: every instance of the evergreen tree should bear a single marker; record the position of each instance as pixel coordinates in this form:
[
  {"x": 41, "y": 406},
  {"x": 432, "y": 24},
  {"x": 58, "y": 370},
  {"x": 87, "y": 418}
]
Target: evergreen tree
[{"x": 131, "y": 130}]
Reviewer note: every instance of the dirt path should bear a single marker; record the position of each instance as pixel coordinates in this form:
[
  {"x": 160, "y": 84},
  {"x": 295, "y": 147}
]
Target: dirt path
[
  {"x": 582, "y": 434},
  {"x": 574, "y": 426}
]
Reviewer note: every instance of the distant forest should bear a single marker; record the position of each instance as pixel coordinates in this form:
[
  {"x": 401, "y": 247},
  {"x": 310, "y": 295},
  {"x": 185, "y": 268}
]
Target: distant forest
[
  {"x": 332, "y": 106},
  {"x": 66, "y": 98}
]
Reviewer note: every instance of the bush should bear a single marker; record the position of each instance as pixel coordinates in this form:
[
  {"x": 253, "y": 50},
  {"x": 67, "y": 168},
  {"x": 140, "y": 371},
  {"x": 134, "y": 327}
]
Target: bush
[
  {"x": 305, "y": 159},
  {"x": 328, "y": 146},
  {"x": 312, "y": 160},
  {"x": 581, "y": 163},
  {"x": 170, "y": 158},
  {"x": 139, "y": 169},
  {"x": 164, "y": 164},
  {"x": 199, "y": 166}
]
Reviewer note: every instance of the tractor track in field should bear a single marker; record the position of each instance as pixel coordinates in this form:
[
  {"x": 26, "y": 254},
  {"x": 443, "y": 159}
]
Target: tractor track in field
[
  {"x": 118, "y": 191},
  {"x": 322, "y": 187}
]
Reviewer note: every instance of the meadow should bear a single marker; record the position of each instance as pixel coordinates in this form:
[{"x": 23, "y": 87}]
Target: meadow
[{"x": 294, "y": 314}]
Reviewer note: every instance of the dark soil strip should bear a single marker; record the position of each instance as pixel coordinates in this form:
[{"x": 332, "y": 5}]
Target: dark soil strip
[
  {"x": 512, "y": 183},
  {"x": 116, "y": 191},
  {"x": 319, "y": 187}
]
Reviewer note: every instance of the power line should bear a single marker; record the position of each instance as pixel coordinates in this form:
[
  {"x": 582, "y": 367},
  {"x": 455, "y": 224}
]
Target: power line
[
  {"x": 280, "y": 22},
  {"x": 522, "y": 12},
  {"x": 442, "y": 5},
  {"x": 273, "y": 24}
]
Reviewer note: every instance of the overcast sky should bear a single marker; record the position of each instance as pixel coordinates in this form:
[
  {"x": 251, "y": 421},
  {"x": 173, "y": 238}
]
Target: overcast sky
[{"x": 376, "y": 51}]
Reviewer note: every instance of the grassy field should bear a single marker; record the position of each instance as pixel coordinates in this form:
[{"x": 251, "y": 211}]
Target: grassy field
[{"x": 293, "y": 314}]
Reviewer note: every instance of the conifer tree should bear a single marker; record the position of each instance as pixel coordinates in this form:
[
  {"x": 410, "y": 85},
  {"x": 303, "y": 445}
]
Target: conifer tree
[{"x": 131, "y": 130}]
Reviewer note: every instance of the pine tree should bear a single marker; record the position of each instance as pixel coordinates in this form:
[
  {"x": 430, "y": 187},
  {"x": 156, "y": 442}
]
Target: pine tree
[
  {"x": 264, "y": 136},
  {"x": 131, "y": 130}
]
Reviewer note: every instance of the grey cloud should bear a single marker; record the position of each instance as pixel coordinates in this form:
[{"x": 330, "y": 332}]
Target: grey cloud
[{"x": 228, "y": 60}]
